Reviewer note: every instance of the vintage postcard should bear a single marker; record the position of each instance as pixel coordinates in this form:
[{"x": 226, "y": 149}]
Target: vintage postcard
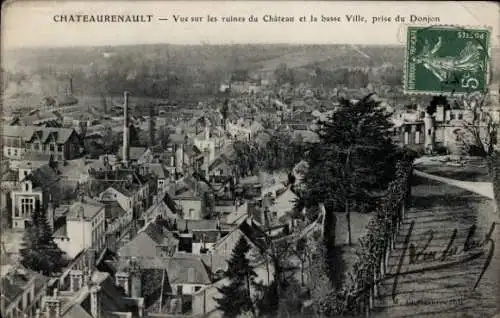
[{"x": 250, "y": 159}]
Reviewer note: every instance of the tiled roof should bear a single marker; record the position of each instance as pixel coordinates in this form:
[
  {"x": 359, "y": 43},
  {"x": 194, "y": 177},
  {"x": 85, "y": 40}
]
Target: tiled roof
[
  {"x": 113, "y": 210},
  {"x": 110, "y": 298},
  {"x": 181, "y": 268},
  {"x": 253, "y": 233},
  {"x": 134, "y": 152},
  {"x": 221, "y": 160},
  {"x": 192, "y": 151},
  {"x": 157, "y": 169},
  {"x": 88, "y": 206},
  {"x": 192, "y": 184},
  {"x": 141, "y": 246},
  {"x": 14, "y": 283},
  {"x": 145, "y": 242},
  {"x": 61, "y": 135},
  {"x": 10, "y": 175}
]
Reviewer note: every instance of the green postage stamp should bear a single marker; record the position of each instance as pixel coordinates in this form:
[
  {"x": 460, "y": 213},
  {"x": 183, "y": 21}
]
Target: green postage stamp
[{"x": 446, "y": 60}]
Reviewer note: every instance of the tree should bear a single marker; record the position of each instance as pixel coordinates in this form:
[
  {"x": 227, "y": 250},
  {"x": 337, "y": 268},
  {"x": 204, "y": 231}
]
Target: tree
[
  {"x": 236, "y": 297},
  {"x": 39, "y": 252},
  {"x": 354, "y": 158},
  {"x": 479, "y": 135}
]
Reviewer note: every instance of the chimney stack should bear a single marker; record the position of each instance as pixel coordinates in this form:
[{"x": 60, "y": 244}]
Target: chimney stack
[
  {"x": 125, "y": 130},
  {"x": 94, "y": 301},
  {"x": 69, "y": 91},
  {"x": 207, "y": 130}
]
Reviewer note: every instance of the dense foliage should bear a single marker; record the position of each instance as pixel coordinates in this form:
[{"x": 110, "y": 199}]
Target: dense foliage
[
  {"x": 354, "y": 158},
  {"x": 38, "y": 250},
  {"x": 236, "y": 298},
  {"x": 279, "y": 153}
]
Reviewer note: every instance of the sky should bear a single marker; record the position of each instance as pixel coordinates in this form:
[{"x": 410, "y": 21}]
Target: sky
[{"x": 31, "y": 23}]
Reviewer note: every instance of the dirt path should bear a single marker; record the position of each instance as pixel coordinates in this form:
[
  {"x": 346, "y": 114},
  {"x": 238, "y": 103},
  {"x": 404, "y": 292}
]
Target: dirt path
[
  {"x": 482, "y": 188},
  {"x": 446, "y": 292}
]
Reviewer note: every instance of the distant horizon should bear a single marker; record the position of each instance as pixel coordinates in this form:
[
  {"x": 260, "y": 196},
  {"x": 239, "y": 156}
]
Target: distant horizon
[{"x": 399, "y": 45}]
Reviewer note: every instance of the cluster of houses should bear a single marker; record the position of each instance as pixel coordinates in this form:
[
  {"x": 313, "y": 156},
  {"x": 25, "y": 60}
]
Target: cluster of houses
[{"x": 146, "y": 231}]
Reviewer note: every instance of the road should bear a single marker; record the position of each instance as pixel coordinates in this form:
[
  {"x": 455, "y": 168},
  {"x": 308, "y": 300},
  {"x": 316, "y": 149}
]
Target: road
[{"x": 446, "y": 292}]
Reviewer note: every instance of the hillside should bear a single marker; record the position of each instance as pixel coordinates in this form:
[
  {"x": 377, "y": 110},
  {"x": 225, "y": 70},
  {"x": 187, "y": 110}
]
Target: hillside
[{"x": 173, "y": 71}]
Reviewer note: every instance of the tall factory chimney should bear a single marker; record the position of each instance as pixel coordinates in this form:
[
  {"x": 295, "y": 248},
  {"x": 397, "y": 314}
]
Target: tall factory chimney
[
  {"x": 151, "y": 127},
  {"x": 69, "y": 92},
  {"x": 125, "y": 154}
]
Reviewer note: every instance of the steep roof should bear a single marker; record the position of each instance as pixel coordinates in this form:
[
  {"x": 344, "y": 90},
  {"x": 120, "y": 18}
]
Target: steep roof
[
  {"x": 60, "y": 135},
  {"x": 111, "y": 299},
  {"x": 134, "y": 152},
  {"x": 157, "y": 169},
  {"x": 181, "y": 268},
  {"x": 145, "y": 242},
  {"x": 14, "y": 283},
  {"x": 88, "y": 206},
  {"x": 113, "y": 210}
]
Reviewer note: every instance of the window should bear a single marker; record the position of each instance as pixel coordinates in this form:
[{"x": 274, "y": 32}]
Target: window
[
  {"x": 60, "y": 148},
  {"x": 417, "y": 137},
  {"x": 15, "y": 152},
  {"x": 406, "y": 138},
  {"x": 52, "y": 147},
  {"x": 36, "y": 146},
  {"x": 26, "y": 206},
  {"x": 428, "y": 132},
  {"x": 460, "y": 116},
  {"x": 28, "y": 299},
  {"x": 25, "y": 173},
  {"x": 26, "y": 186},
  {"x": 8, "y": 151},
  {"x": 452, "y": 116}
]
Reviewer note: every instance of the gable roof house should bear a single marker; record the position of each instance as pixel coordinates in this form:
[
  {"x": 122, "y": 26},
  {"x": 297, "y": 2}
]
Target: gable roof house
[
  {"x": 92, "y": 294},
  {"x": 20, "y": 141},
  {"x": 165, "y": 283},
  {"x": 21, "y": 292},
  {"x": 153, "y": 240},
  {"x": 248, "y": 229},
  {"x": 190, "y": 196}
]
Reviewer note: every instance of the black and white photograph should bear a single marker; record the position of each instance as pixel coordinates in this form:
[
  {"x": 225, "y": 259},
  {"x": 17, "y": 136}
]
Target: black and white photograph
[{"x": 250, "y": 159}]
